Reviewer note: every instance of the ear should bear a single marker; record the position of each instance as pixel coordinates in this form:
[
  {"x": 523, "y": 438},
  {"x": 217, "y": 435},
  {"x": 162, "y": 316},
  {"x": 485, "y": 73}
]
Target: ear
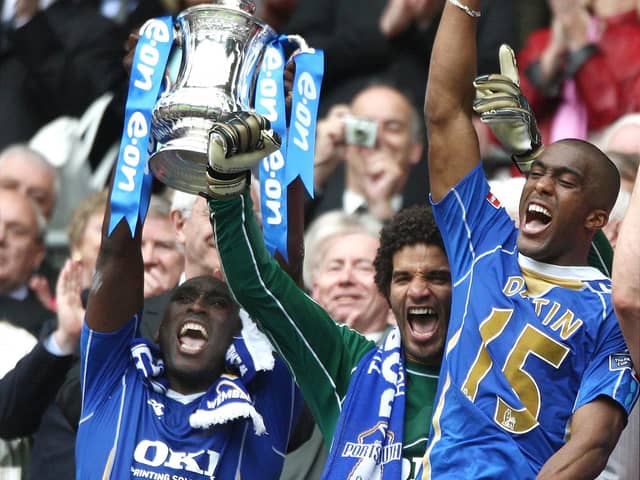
[
  {"x": 178, "y": 221},
  {"x": 416, "y": 153},
  {"x": 596, "y": 220},
  {"x": 38, "y": 256},
  {"x": 314, "y": 289}
]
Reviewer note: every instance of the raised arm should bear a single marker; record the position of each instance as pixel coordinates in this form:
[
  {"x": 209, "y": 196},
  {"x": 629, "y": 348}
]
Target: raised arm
[
  {"x": 117, "y": 290},
  {"x": 626, "y": 276},
  {"x": 453, "y": 143}
]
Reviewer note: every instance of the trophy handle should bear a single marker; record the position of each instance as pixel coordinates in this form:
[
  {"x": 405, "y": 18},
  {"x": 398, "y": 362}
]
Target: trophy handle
[
  {"x": 303, "y": 46},
  {"x": 177, "y": 44}
]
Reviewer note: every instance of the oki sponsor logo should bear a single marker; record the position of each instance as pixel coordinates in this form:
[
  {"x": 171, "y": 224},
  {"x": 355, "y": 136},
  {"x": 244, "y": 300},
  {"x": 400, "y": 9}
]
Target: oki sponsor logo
[{"x": 154, "y": 453}]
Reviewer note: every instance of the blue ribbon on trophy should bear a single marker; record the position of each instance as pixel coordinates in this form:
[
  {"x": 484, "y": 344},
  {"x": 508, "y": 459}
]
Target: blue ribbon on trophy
[
  {"x": 295, "y": 157},
  {"x": 132, "y": 183}
]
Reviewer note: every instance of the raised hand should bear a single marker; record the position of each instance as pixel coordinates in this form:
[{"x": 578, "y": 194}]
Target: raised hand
[
  {"x": 501, "y": 105},
  {"x": 237, "y": 142},
  {"x": 40, "y": 286},
  {"x": 398, "y": 15},
  {"x": 330, "y": 144},
  {"x": 70, "y": 310},
  {"x": 383, "y": 178}
]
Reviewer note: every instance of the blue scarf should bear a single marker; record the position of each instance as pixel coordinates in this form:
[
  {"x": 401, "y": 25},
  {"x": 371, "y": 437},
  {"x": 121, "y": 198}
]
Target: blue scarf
[
  {"x": 228, "y": 398},
  {"x": 367, "y": 443}
]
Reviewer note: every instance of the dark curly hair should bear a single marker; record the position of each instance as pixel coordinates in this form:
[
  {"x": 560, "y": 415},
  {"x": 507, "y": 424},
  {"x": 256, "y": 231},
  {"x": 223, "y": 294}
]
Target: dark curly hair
[{"x": 410, "y": 226}]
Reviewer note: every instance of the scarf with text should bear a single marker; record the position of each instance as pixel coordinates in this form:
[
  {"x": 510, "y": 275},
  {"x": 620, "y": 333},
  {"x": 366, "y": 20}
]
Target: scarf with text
[
  {"x": 368, "y": 440},
  {"x": 228, "y": 398}
]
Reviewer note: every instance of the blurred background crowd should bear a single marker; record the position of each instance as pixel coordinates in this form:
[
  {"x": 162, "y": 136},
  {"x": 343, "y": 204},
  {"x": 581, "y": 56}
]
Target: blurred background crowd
[{"x": 62, "y": 95}]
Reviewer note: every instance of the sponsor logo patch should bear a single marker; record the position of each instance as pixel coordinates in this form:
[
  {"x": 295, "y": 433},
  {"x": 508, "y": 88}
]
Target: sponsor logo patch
[{"x": 619, "y": 361}]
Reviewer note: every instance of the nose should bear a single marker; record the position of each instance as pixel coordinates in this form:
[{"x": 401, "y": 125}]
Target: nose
[
  {"x": 148, "y": 253},
  {"x": 544, "y": 184},
  {"x": 418, "y": 287},
  {"x": 346, "y": 274},
  {"x": 198, "y": 304}
]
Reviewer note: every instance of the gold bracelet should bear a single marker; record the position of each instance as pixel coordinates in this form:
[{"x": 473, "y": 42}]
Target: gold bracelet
[{"x": 465, "y": 9}]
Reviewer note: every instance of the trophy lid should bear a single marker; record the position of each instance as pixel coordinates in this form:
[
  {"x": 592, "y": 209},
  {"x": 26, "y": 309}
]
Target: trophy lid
[{"x": 247, "y": 6}]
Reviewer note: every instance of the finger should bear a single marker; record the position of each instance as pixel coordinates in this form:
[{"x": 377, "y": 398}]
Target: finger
[
  {"x": 289, "y": 72},
  {"x": 506, "y": 115},
  {"x": 483, "y": 105},
  {"x": 339, "y": 110},
  {"x": 496, "y": 83},
  {"x": 508, "y": 66}
]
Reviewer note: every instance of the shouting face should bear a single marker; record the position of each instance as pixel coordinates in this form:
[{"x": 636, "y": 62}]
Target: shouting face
[
  {"x": 196, "y": 331},
  {"x": 420, "y": 297}
]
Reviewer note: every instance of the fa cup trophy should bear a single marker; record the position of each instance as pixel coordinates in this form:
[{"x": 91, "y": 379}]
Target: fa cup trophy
[{"x": 222, "y": 47}]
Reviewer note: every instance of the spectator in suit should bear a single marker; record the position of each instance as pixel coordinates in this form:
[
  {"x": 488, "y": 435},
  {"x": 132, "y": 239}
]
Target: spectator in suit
[
  {"x": 21, "y": 251},
  {"x": 55, "y": 59},
  {"x": 25, "y": 170},
  {"x": 27, "y": 389},
  {"x": 22, "y": 228},
  {"x": 378, "y": 178}
]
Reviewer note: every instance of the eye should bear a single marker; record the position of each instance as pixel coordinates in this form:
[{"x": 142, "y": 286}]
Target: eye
[
  {"x": 439, "y": 277},
  {"x": 217, "y": 301},
  {"x": 568, "y": 181},
  {"x": 165, "y": 245},
  {"x": 334, "y": 267},
  {"x": 393, "y": 126},
  {"x": 184, "y": 296},
  {"x": 535, "y": 173},
  {"x": 400, "y": 278},
  {"x": 364, "y": 266}
]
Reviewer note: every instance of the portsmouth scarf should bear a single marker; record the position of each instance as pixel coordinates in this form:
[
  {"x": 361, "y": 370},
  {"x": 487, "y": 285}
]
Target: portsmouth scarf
[
  {"x": 228, "y": 398},
  {"x": 367, "y": 444}
]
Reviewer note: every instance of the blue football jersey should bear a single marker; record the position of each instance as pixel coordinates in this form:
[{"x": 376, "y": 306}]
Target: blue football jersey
[
  {"x": 128, "y": 430},
  {"x": 528, "y": 344}
]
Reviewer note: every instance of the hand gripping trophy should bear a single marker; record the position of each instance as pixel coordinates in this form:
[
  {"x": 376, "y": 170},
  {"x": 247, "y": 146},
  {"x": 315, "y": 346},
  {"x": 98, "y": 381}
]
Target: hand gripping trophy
[
  {"x": 204, "y": 123},
  {"x": 225, "y": 110}
]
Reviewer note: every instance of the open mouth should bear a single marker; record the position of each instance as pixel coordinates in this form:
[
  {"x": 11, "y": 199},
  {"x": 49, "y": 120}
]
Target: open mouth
[
  {"x": 192, "y": 338},
  {"x": 423, "y": 322},
  {"x": 345, "y": 298},
  {"x": 536, "y": 220}
]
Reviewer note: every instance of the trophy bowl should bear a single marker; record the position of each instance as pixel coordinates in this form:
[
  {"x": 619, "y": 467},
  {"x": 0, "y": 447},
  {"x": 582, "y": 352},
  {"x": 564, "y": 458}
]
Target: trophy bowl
[{"x": 222, "y": 47}]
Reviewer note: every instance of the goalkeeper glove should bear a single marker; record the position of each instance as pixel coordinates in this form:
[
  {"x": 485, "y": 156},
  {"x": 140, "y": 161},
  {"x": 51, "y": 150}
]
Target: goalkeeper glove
[
  {"x": 237, "y": 142},
  {"x": 502, "y": 106}
]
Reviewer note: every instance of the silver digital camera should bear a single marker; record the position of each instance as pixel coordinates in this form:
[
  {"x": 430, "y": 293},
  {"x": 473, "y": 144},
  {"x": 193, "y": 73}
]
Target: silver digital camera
[{"x": 360, "y": 131}]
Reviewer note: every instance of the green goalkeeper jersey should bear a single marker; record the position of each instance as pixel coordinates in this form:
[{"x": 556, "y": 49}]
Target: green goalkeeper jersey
[{"x": 321, "y": 353}]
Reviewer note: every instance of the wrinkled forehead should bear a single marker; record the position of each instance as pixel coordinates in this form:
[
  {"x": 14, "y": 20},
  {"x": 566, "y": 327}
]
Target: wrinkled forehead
[
  {"x": 27, "y": 173},
  {"x": 560, "y": 157},
  {"x": 381, "y": 102},
  {"x": 205, "y": 285}
]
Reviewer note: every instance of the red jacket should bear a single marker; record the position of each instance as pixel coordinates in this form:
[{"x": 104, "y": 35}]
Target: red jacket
[{"x": 608, "y": 82}]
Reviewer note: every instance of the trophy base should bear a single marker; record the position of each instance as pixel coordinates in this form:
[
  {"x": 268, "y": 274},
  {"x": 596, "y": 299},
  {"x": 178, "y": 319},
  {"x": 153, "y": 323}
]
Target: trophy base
[{"x": 180, "y": 168}]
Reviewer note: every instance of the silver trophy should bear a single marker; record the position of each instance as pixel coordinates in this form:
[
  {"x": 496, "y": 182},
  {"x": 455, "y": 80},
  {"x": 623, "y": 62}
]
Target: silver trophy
[{"x": 222, "y": 47}]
